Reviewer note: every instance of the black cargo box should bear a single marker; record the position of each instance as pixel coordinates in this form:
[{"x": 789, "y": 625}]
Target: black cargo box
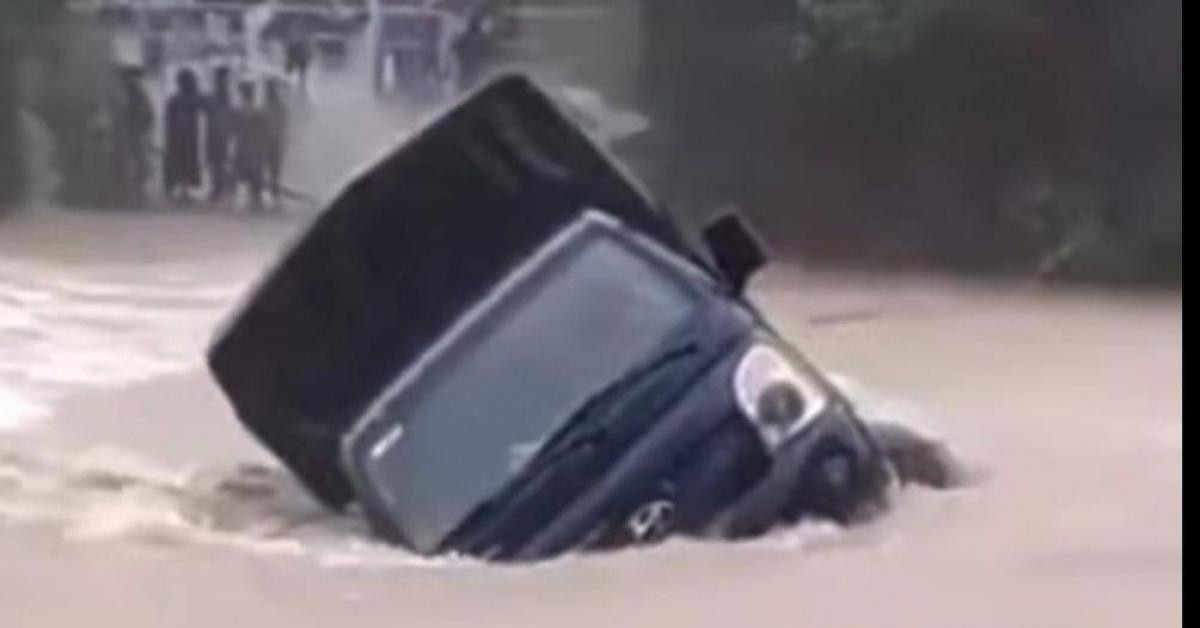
[{"x": 403, "y": 250}]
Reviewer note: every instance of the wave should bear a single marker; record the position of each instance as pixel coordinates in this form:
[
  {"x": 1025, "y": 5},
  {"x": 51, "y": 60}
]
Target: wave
[{"x": 112, "y": 494}]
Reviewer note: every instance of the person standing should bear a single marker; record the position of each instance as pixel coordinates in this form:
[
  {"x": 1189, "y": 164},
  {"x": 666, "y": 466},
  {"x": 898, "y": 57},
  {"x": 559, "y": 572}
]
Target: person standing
[
  {"x": 181, "y": 156},
  {"x": 275, "y": 111},
  {"x": 472, "y": 50},
  {"x": 251, "y": 145},
  {"x": 298, "y": 56},
  {"x": 134, "y": 122},
  {"x": 218, "y": 138}
]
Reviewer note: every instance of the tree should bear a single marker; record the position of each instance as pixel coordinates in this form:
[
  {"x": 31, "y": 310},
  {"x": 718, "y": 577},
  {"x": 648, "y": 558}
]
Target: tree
[{"x": 1010, "y": 134}]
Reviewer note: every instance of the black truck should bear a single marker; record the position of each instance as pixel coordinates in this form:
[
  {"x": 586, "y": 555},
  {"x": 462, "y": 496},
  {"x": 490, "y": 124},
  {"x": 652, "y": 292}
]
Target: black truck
[{"x": 494, "y": 344}]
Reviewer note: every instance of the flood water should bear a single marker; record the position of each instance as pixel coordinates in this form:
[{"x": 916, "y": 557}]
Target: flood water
[{"x": 129, "y": 495}]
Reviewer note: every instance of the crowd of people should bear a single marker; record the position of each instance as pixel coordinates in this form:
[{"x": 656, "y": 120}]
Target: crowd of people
[{"x": 218, "y": 146}]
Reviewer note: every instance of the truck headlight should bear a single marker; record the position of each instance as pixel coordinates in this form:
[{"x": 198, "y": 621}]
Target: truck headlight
[{"x": 776, "y": 396}]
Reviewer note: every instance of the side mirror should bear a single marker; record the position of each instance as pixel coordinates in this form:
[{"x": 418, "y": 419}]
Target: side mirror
[{"x": 735, "y": 247}]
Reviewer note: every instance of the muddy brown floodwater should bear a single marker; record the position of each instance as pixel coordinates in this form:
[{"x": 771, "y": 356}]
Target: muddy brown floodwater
[{"x": 130, "y": 497}]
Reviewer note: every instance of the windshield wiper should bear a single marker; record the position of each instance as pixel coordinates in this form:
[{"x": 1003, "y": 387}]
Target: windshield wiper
[{"x": 585, "y": 426}]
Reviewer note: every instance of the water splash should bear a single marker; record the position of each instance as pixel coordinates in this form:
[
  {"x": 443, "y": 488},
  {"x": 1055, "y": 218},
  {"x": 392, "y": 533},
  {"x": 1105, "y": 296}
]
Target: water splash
[{"x": 106, "y": 493}]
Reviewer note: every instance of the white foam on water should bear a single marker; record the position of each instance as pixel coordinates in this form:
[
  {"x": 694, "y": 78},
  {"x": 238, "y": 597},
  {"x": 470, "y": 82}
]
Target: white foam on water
[
  {"x": 106, "y": 493},
  {"x": 66, "y": 328},
  {"x": 18, "y": 409}
]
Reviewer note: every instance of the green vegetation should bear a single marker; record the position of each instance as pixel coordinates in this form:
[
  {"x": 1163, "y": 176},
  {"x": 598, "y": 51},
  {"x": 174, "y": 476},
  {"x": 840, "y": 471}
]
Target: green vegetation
[{"x": 1026, "y": 136}]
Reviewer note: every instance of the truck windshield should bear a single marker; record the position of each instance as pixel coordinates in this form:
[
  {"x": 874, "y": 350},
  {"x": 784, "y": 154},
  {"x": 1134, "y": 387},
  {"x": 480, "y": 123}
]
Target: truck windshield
[{"x": 482, "y": 405}]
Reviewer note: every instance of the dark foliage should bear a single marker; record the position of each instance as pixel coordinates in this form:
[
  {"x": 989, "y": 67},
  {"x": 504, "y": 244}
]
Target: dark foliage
[{"x": 1027, "y": 136}]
